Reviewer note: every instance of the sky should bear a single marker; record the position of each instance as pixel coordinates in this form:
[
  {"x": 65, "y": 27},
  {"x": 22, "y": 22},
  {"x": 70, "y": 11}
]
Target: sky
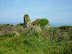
[{"x": 56, "y": 11}]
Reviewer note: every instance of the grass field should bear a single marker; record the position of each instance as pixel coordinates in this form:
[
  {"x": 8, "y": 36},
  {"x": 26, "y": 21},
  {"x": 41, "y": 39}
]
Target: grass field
[{"x": 51, "y": 41}]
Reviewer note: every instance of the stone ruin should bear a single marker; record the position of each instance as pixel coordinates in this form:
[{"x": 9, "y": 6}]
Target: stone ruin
[
  {"x": 30, "y": 27},
  {"x": 27, "y": 21}
]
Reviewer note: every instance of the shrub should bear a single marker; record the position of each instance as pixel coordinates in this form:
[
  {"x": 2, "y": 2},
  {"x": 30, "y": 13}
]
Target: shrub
[
  {"x": 27, "y": 42},
  {"x": 0, "y": 27},
  {"x": 12, "y": 25},
  {"x": 36, "y": 34},
  {"x": 43, "y": 22},
  {"x": 70, "y": 35},
  {"x": 10, "y": 34},
  {"x": 24, "y": 34},
  {"x": 59, "y": 35},
  {"x": 18, "y": 25},
  {"x": 65, "y": 28},
  {"x": 36, "y": 22},
  {"x": 7, "y": 35},
  {"x": 7, "y": 24}
]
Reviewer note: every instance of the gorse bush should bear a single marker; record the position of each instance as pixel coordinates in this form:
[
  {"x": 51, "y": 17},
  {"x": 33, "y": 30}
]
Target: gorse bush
[
  {"x": 65, "y": 27},
  {"x": 43, "y": 22},
  {"x": 10, "y": 34},
  {"x": 70, "y": 35},
  {"x": 18, "y": 25},
  {"x": 0, "y": 27},
  {"x": 7, "y": 24},
  {"x": 36, "y": 22},
  {"x": 35, "y": 43}
]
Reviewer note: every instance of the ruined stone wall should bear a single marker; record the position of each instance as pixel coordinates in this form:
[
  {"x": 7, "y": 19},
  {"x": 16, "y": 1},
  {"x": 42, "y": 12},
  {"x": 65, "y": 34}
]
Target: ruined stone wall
[
  {"x": 27, "y": 20},
  {"x": 36, "y": 28}
]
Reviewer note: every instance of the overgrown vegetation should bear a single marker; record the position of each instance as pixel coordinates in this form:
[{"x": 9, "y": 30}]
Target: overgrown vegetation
[
  {"x": 49, "y": 41},
  {"x": 36, "y": 22},
  {"x": 41, "y": 22},
  {"x": 35, "y": 38}
]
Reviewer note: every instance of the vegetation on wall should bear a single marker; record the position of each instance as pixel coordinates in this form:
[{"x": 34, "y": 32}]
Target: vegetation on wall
[
  {"x": 41, "y": 22},
  {"x": 36, "y": 22},
  {"x": 26, "y": 19}
]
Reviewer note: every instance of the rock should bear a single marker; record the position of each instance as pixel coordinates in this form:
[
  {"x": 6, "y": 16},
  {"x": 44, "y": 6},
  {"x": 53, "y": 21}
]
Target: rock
[
  {"x": 17, "y": 34},
  {"x": 36, "y": 22},
  {"x": 47, "y": 26},
  {"x": 27, "y": 20},
  {"x": 36, "y": 29},
  {"x": 29, "y": 24}
]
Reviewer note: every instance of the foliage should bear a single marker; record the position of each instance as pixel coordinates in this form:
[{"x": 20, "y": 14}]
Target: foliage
[
  {"x": 24, "y": 33},
  {"x": 36, "y": 22},
  {"x": 7, "y": 24},
  {"x": 52, "y": 41},
  {"x": 65, "y": 28},
  {"x": 9, "y": 34},
  {"x": 70, "y": 34},
  {"x": 0, "y": 27},
  {"x": 43, "y": 22},
  {"x": 18, "y": 25}
]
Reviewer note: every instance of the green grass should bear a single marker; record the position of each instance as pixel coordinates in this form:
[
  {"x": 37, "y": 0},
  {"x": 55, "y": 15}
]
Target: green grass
[
  {"x": 37, "y": 43},
  {"x": 33, "y": 45}
]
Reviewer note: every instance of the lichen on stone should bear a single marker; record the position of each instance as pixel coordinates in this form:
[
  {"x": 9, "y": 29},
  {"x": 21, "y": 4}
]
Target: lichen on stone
[
  {"x": 36, "y": 25},
  {"x": 26, "y": 20}
]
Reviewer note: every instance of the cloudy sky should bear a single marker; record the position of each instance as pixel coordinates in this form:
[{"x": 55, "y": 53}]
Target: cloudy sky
[{"x": 56, "y": 11}]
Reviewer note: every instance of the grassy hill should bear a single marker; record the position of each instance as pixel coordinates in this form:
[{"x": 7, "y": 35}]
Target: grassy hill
[{"x": 17, "y": 40}]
